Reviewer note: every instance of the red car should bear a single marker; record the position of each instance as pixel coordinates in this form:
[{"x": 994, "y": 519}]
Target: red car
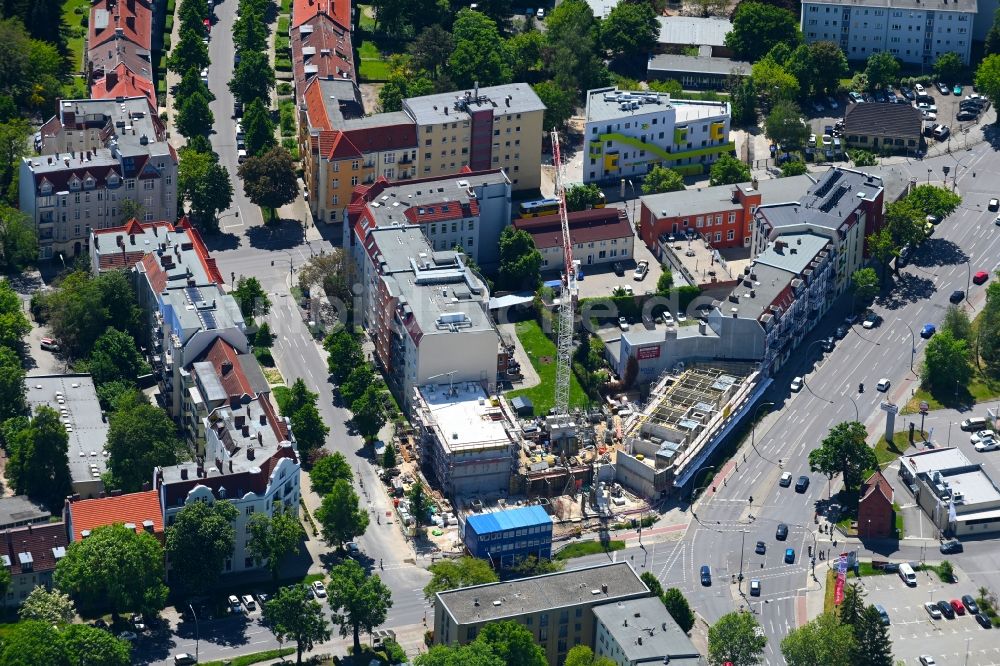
[
  {"x": 980, "y": 277},
  {"x": 958, "y": 606}
]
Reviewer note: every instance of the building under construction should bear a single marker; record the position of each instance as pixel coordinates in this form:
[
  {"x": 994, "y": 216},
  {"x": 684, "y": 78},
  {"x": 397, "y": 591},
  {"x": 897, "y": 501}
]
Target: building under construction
[{"x": 687, "y": 415}]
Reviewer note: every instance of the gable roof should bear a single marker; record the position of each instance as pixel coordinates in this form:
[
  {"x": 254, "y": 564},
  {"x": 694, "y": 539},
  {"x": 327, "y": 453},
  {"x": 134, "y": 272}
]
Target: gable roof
[
  {"x": 883, "y": 120},
  {"x": 338, "y": 10},
  {"x": 225, "y": 361},
  {"x": 877, "y": 483},
  {"x": 128, "y": 508},
  {"x": 321, "y": 48},
  {"x": 123, "y": 82},
  {"x": 585, "y": 226},
  {"x": 35, "y": 548},
  {"x": 127, "y": 19}
]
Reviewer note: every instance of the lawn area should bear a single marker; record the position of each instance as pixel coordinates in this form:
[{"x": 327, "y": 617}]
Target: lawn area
[
  {"x": 74, "y": 31},
  {"x": 374, "y": 66},
  {"x": 542, "y": 353},
  {"x": 254, "y": 658},
  {"x": 980, "y": 389},
  {"x": 886, "y": 452},
  {"x": 281, "y": 395},
  {"x": 581, "y": 548},
  {"x": 366, "y": 18}
]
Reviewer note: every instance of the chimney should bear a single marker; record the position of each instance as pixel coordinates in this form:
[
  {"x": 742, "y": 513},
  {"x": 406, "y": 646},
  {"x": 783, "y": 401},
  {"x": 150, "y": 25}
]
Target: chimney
[
  {"x": 230, "y": 465},
  {"x": 184, "y": 473},
  {"x": 250, "y": 453},
  {"x": 260, "y": 438},
  {"x": 246, "y": 431},
  {"x": 131, "y": 239},
  {"x": 240, "y": 420},
  {"x": 263, "y": 419},
  {"x": 753, "y": 183}
]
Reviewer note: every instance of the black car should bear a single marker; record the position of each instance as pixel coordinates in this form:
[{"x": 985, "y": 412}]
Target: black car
[
  {"x": 828, "y": 344},
  {"x": 907, "y": 93},
  {"x": 946, "y": 609},
  {"x": 880, "y": 96},
  {"x": 971, "y": 105},
  {"x": 942, "y": 88},
  {"x": 619, "y": 268},
  {"x": 761, "y": 548},
  {"x": 706, "y": 575},
  {"x": 984, "y": 621},
  {"x": 970, "y": 604},
  {"x": 782, "y": 532},
  {"x": 841, "y": 331},
  {"x": 952, "y": 546},
  {"x": 964, "y": 115},
  {"x": 957, "y": 296},
  {"x": 802, "y": 484}
]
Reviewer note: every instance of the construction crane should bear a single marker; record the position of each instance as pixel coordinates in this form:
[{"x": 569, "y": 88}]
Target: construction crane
[{"x": 567, "y": 300}]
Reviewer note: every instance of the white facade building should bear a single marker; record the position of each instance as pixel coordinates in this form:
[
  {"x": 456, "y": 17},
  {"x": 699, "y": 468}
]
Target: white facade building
[
  {"x": 628, "y": 133},
  {"x": 915, "y": 31},
  {"x": 96, "y": 154}
]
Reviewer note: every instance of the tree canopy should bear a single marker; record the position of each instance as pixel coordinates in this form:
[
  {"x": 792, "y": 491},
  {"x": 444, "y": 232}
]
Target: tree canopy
[
  {"x": 727, "y": 170},
  {"x": 662, "y": 179},
  {"x": 369, "y": 412},
  {"x": 198, "y": 544},
  {"x": 340, "y": 515},
  {"x": 327, "y": 471},
  {"x": 37, "y": 459},
  {"x": 141, "y": 437},
  {"x": 784, "y": 126},
  {"x": 733, "y": 638},
  {"x": 273, "y": 538},
  {"x": 116, "y": 358},
  {"x": 293, "y": 615},
  {"x": 480, "y": 54},
  {"x": 360, "y": 602},
  {"x": 448, "y": 574},
  {"x": 269, "y": 180},
  {"x": 630, "y": 30},
  {"x": 864, "y": 281},
  {"x": 560, "y": 103},
  {"x": 844, "y": 451},
  {"x": 582, "y": 197},
  {"x": 18, "y": 241},
  {"x": 947, "y": 367},
  {"x": 988, "y": 78},
  {"x": 757, "y": 27},
  {"x": 253, "y": 78},
  {"x": 948, "y": 67},
  {"x": 823, "y": 640},
  {"x": 882, "y": 70},
  {"x": 49, "y": 606},
  {"x": 520, "y": 261},
  {"x": 205, "y": 184}
]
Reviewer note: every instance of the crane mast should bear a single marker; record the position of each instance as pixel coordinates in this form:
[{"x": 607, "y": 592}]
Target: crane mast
[{"x": 567, "y": 300}]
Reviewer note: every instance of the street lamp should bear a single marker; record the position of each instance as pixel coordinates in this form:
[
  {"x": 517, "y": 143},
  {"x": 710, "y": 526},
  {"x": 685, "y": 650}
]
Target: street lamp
[
  {"x": 968, "y": 278},
  {"x": 913, "y": 343},
  {"x": 197, "y": 632},
  {"x": 743, "y": 539}
]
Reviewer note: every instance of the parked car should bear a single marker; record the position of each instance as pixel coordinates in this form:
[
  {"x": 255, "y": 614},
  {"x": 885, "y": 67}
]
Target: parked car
[
  {"x": 965, "y": 115},
  {"x": 138, "y": 622},
  {"x": 754, "y": 587},
  {"x": 932, "y": 610},
  {"x": 796, "y": 385},
  {"x": 951, "y": 546},
  {"x": 958, "y": 607},
  {"x": 942, "y": 132},
  {"x": 970, "y": 604},
  {"x": 782, "y": 532},
  {"x": 785, "y": 480},
  {"x": 184, "y": 659},
  {"x": 883, "y": 613},
  {"x": 128, "y": 636},
  {"x": 841, "y": 331},
  {"x": 828, "y": 344},
  {"x": 641, "y": 269},
  {"x": 980, "y": 277},
  {"x": 352, "y": 547},
  {"x": 856, "y": 97},
  {"x": 249, "y": 602},
  {"x": 942, "y": 88},
  {"x": 928, "y": 331},
  {"x": 972, "y": 424},
  {"x": 50, "y": 344},
  {"x": 622, "y": 323},
  {"x": 982, "y": 435},
  {"x": 986, "y": 445},
  {"x": 956, "y": 90},
  {"x": 994, "y": 204},
  {"x": 761, "y": 548},
  {"x": 946, "y": 609},
  {"x": 907, "y": 93},
  {"x": 234, "y": 604},
  {"x": 984, "y": 621},
  {"x": 919, "y": 88},
  {"x": 927, "y": 660},
  {"x": 832, "y": 103},
  {"x": 871, "y": 320},
  {"x": 706, "y": 575}
]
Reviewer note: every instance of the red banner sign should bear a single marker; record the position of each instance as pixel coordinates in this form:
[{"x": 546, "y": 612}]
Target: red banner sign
[{"x": 644, "y": 353}]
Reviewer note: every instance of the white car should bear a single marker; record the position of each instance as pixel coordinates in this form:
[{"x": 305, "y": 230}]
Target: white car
[
  {"x": 797, "y": 384},
  {"x": 883, "y": 385},
  {"x": 827, "y": 140},
  {"x": 985, "y": 445},
  {"x": 812, "y": 140},
  {"x": 627, "y": 289},
  {"x": 982, "y": 435},
  {"x": 785, "y": 480},
  {"x": 932, "y": 610},
  {"x": 919, "y": 88},
  {"x": 927, "y": 660},
  {"x": 681, "y": 317},
  {"x": 319, "y": 589},
  {"x": 622, "y": 323},
  {"x": 928, "y": 116},
  {"x": 668, "y": 318},
  {"x": 640, "y": 270},
  {"x": 994, "y": 204}
]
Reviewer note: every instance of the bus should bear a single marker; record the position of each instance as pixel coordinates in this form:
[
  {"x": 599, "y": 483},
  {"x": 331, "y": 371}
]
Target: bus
[
  {"x": 601, "y": 201},
  {"x": 539, "y": 207}
]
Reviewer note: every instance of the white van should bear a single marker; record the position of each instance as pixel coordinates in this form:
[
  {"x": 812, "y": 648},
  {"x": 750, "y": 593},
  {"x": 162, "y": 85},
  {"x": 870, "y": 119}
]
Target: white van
[{"x": 908, "y": 575}]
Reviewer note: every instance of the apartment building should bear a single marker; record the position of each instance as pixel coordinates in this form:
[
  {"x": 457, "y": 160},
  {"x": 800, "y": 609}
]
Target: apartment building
[
  {"x": 467, "y": 210},
  {"x": 642, "y": 631},
  {"x": 915, "y": 31},
  {"x": 628, "y": 133},
  {"x": 558, "y": 608},
  {"x": 600, "y": 236},
  {"x": 425, "y": 311},
  {"x": 120, "y": 36},
  {"x": 437, "y": 135},
  {"x": 30, "y": 555},
  {"x": 97, "y": 153}
]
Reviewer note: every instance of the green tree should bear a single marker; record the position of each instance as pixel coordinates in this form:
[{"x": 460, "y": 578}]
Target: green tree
[
  {"x": 344, "y": 353},
  {"x": 340, "y": 516},
  {"x": 250, "y": 31},
  {"x": 882, "y": 70},
  {"x": 572, "y": 53},
  {"x": 115, "y": 358},
  {"x": 956, "y": 321},
  {"x": 475, "y": 653},
  {"x": 844, "y": 451},
  {"x": 784, "y": 125},
  {"x": 360, "y": 601},
  {"x": 309, "y": 429},
  {"x": 513, "y": 642},
  {"x": 33, "y": 643},
  {"x": 480, "y": 54},
  {"x": 298, "y": 397},
  {"x": 582, "y": 655},
  {"x": 18, "y": 242},
  {"x": 582, "y": 197},
  {"x": 883, "y": 248},
  {"x": 194, "y": 116},
  {"x": 190, "y": 84},
  {"x": 864, "y": 281},
  {"x": 360, "y": 378},
  {"x": 829, "y": 66},
  {"x": 269, "y": 180},
  {"x": 431, "y": 48},
  {"x": 948, "y": 67},
  {"x": 679, "y": 609},
  {"x": 198, "y": 544},
  {"x": 525, "y": 50},
  {"x": 559, "y": 102},
  {"x": 82, "y": 307},
  {"x": 37, "y": 459},
  {"x": 992, "y": 45},
  {"x": 258, "y": 128},
  {"x": 520, "y": 261},
  {"x": 630, "y": 30},
  {"x": 662, "y": 179},
  {"x": 448, "y": 574},
  {"x": 947, "y": 364},
  {"x": 793, "y": 168},
  {"x": 727, "y": 170},
  {"x": 389, "y": 456},
  {"x": 253, "y": 78},
  {"x": 12, "y": 386},
  {"x": 87, "y": 645},
  {"x": 758, "y": 27},
  {"x": 293, "y": 616},
  {"x": 652, "y": 582},
  {"x": 852, "y": 607},
  {"x": 327, "y": 471},
  {"x": 49, "y": 606},
  {"x": 141, "y": 437},
  {"x": 420, "y": 503},
  {"x": 205, "y": 184},
  {"x": 369, "y": 412},
  {"x": 933, "y": 200},
  {"x": 664, "y": 283},
  {"x": 189, "y": 53},
  {"x": 273, "y": 538},
  {"x": 742, "y": 99},
  {"x": 823, "y": 640},
  {"x": 774, "y": 81},
  {"x": 733, "y": 638},
  {"x": 871, "y": 638},
  {"x": 13, "y": 322},
  {"x": 404, "y": 81},
  {"x": 863, "y": 158},
  {"x": 13, "y": 146},
  {"x": 115, "y": 567},
  {"x": 251, "y": 298}
]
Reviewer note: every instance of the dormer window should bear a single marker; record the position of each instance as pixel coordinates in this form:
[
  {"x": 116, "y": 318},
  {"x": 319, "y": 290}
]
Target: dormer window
[
  {"x": 27, "y": 561},
  {"x": 74, "y": 184},
  {"x": 113, "y": 180},
  {"x": 46, "y": 188},
  {"x": 89, "y": 183}
]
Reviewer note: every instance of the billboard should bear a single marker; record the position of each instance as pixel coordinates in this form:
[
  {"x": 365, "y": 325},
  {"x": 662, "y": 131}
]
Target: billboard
[{"x": 644, "y": 353}]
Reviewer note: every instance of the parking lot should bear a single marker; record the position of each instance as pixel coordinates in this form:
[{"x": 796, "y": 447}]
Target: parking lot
[
  {"x": 599, "y": 280},
  {"x": 914, "y": 632}
]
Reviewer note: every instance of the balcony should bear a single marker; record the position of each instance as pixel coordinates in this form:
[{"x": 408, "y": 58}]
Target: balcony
[{"x": 406, "y": 159}]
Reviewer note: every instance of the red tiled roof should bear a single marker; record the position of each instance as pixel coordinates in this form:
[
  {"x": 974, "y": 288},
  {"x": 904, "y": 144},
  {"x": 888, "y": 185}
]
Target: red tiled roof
[
  {"x": 338, "y": 10},
  {"x": 133, "y": 17},
  {"x": 385, "y": 137},
  {"x": 585, "y": 226},
  {"x": 39, "y": 540},
  {"x": 225, "y": 359},
  {"x": 877, "y": 483},
  {"x": 132, "y": 508},
  {"x": 443, "y": 210},
  {"x": 60, "y": 178},
  {"x": 156, "y": 276},
  {"x": 325, "y": 45},
  {"x": 316, "y": 107},
  {"x": 123, "y": 82}
]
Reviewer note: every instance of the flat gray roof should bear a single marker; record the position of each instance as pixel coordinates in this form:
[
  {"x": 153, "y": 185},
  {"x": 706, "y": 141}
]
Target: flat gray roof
[
  {"x": 693, "y": 30},
  {"x": 770, "y": 282},
  {"x": 75, "y": 398},
  {"x": 603, "y": 104},
  {"x": 828, "y": 203},
  {"x": 19, "y": 510},
  {"x": 448, "y": 107},
  {"x": 931, "y": 5},
  {"x": 974, "y": 484},
  {"x": 697, "y": 65},
  {"x": 794, "y": 257},
  {"x": 702, "y": 200},
  {"x": 448, "y": 192},
  {"x": 645, "y": 631},
  {"x": 495, "y": 601}
]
